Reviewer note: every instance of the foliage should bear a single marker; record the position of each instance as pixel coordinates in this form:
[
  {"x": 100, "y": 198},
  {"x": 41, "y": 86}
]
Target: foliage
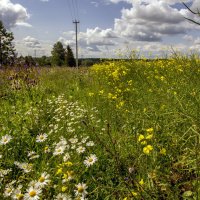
[
  {"x": 69, "y": 57},
  {"x": 7, "y": 51},
  {"x": 123, "y": 130},
  {"x": 58, "y": 54}
]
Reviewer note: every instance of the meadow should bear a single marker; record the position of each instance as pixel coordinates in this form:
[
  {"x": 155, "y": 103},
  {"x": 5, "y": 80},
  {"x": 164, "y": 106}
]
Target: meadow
[{"x": 124, "y": 130}]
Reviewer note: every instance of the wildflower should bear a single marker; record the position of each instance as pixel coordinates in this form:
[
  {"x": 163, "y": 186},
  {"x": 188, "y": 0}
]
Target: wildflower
[
  {"x": 144, "y": 142},
  {"x": 91, "y": 94},
  {"x": 33, "y": 193},
  {"x": 64, "y": 188},
  {"x": 59, "y": 150},
  {"x": 62, "y": 142},
  {"x": 66, "y": 157},
  {"x": 73, "y": 140},
  {"x": 41, "y": 137},
  {"x": 90, "y": 144},
  {"x": 68, "y": 163},
  {"x": 70, "y": 175},
  {"x": 59, "y": 171},
  {"x": 46, "y": 149},
  {"x": 17, "y": 194},
  {"x": 27, "y": 167},
  {"x": 141, "y": 137},
  {"x": 81, "y": 190},
  {"x": 90, "y": 160},
  {"x": 149, "y": 130},
  {"x": 149, "y": 136},
  {"x": 134, "y": 193},
  {"x": 163, "y": 151},
  {"x": 62, "y": 196},
  {"x": 147, "y": 149},
  {"x": 8, "y": 190},
  {"x": 44, "y": 179},
  {"x": 141, "y": 182},
  {"x": 80, "y": 149},
  {"x": 84, "y": 140},
  {"x": 4, "y": 172},
  {"x": 5, "y": 139}
]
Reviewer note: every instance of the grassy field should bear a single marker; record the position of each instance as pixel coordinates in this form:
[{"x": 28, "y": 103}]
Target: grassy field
[{"x": 119, "y": 130}]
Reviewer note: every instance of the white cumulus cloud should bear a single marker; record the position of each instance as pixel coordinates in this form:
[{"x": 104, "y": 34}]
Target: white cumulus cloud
[{"x": 13, "y": 14}]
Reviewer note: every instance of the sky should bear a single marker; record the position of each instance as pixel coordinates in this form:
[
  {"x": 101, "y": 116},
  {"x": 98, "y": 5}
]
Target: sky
[{"x": 107, "y": 28}]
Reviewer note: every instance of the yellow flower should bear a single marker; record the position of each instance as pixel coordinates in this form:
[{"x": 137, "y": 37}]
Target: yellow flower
[
  {"x": 134, "y": 193},
  {"x": 147, "y": 149},
  {"x": 141, "y": 137},
  {"x": 68, "y": 164},
  {"x": 64, "y": 188},
  {"x": 149, "y": 130},
  {"x": 149, "y": 136},
  {"x": 163, "y": 151},
  {"x": 91, "y": 94},
  {"x": 121, "y": 104},
  {"x": 59, "y": 171},
  {"x": 101, "y": 92},
  {"x": 144, "y": 142},
  {"x": 141, "y": 182}
]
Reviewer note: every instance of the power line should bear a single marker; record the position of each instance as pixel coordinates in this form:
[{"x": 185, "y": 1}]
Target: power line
[
  {"x": 77, "y": 8},
  {"x": 70, "y": 9}
]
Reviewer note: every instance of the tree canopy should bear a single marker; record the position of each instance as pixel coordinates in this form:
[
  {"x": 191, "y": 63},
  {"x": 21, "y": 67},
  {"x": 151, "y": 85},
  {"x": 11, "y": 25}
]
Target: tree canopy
[
  {"x": 69, "y": 57},
  {"x": 58, "y": 54},
  {"x": 7, "y": 51},
  {"x": 62, "y": 56}
]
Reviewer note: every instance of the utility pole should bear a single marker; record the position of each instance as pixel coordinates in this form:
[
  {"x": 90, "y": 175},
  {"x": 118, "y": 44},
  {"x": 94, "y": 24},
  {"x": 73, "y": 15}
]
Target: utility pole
[
  {"x": 1, "y": 59},
  {"x": 76, "y": 23}
]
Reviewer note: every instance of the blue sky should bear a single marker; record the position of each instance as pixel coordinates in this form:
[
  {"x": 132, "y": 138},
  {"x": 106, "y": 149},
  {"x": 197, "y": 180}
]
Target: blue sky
[{"x": 106, "y": 27}]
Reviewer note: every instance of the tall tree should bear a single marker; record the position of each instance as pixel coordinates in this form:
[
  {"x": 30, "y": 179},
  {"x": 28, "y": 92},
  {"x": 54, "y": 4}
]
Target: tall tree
[
  {"x": 58, "y": 54},
  {"x": 69, "y": 57},
  {"x": 7, "y": 51}
]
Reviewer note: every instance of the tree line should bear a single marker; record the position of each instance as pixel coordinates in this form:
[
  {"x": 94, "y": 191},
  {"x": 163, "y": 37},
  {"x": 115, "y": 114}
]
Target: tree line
[{"x": 60, "y": 56}]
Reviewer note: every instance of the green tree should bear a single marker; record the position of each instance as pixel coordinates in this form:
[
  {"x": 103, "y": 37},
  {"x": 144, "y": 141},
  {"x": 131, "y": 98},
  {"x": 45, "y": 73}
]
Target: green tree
[
  {"x": 7, "y": 51},
  {"x": 69, "y": 57},
  {"x": 58, "y": 54}
]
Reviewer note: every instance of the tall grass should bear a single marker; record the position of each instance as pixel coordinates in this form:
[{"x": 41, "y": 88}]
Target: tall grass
[{"x": 125, "y": 129}]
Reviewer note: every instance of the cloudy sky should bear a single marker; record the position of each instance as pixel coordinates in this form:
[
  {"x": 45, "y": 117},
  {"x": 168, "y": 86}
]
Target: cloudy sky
[{"x": 107, "y": 27}]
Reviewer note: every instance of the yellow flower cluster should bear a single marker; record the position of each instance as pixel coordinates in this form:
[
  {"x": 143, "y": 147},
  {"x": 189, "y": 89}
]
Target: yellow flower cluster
[{"x": 143, "y": 139}]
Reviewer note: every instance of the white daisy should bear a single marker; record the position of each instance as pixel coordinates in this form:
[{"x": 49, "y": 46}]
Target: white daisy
[
  {"x": 33, "y": 193},
  {"x": 41, "y": 137},
  {"x": 81, "y": 190},
  {"x": 73, "y": 140},
  {"x": 61, "y": 196},
  {"x": 8, "y": 190},
  {"x": 66, "y": 157},
  {"x": 59, "y": 150},
  {"x": 26, "y": 167},
  {"x": 90, "y": 144},
  {"x": 17, "y": 194},
  {"x": 80, "y": 149},
  {"x": 44, "y": 179},
  {"x": 62, "y": 142},
  {"x": 90, "y": 160},
  {"x": 34, "y": 184},
  {"x": 5, "y": 139}
]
